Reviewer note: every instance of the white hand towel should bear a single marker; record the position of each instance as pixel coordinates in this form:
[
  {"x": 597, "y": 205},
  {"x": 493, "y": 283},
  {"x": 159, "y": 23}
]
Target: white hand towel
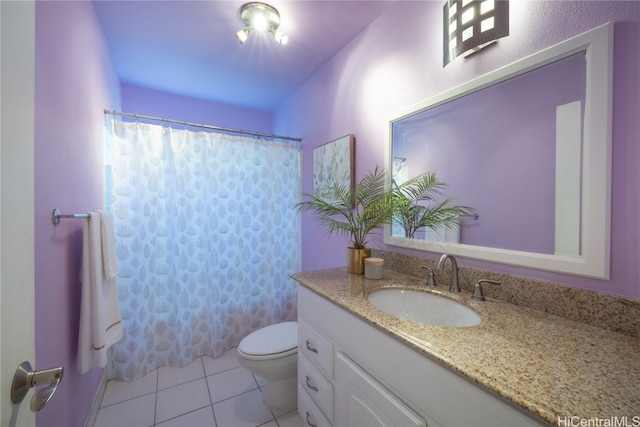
[
  {"x": 100, "y": 320},
  {"x": 109, "y": 263}
]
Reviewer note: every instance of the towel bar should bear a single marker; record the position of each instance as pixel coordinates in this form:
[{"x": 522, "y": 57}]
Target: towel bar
[
  {"x": 56, "y": 215},
  {"x": 473, "y": 216}
]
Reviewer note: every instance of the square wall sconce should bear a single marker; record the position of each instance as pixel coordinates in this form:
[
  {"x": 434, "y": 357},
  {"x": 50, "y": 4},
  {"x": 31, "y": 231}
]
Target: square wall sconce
[{"x": 470, "y": 25}]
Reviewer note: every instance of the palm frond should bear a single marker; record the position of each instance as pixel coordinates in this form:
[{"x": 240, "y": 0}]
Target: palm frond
[
  {"x": 416, "y": 205},
  {"x": 356, "y": 213},
  {"x": 411, "y": 205}
]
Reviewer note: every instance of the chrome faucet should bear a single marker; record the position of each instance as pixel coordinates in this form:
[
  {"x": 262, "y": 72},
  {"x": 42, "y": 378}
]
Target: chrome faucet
[{"x": 454, "y": 286}]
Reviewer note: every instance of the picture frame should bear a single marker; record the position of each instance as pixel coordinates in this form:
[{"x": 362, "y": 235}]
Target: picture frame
[{"x": 333, "y": 163}]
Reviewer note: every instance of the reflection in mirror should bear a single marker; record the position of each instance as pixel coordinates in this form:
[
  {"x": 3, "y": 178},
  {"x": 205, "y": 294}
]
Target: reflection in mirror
[
  {"x": 505, "y": 168},
  {"x": 528, "y": 147}
]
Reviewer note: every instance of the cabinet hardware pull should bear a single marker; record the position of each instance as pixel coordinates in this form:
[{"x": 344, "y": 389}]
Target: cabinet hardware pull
[
  {"x": 315, "y": 350},
  {"x": 310, "y": 386},
  {"x": 309, "y": 422}
]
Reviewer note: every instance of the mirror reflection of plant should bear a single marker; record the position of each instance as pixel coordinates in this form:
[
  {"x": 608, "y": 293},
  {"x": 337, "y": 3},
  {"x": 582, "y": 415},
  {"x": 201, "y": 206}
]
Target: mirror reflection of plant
[
  {"x": 416, "y": 206},
  {"x": 356, "y": 213}
]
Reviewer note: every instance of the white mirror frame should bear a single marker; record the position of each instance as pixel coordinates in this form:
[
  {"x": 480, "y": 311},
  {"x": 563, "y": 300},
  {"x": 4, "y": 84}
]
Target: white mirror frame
[{"x": 594, "y": 257}]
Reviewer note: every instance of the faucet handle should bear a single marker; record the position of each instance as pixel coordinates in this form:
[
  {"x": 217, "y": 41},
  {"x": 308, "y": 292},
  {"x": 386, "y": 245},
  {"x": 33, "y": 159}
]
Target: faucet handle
[
  {"x": 478, "y": 293},
  {"x": 431, "y": 281}
]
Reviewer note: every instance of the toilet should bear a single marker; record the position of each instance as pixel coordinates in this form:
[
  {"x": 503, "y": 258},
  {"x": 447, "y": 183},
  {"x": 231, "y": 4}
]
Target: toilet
[{"x": 272, "y": 353}]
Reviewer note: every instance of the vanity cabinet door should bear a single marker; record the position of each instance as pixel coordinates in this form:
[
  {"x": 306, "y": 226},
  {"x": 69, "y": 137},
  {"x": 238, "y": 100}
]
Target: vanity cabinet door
[{"x": 361, "y": 401}]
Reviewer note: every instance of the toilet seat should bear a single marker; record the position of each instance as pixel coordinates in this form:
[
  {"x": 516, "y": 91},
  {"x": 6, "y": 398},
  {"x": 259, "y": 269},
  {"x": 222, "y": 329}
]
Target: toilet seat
[{"x": 270, "y": 342}]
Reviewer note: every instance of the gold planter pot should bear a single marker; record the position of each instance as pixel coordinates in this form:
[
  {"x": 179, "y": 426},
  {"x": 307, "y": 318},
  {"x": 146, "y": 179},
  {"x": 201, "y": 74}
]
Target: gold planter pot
[{"x": 355, "y": 260}]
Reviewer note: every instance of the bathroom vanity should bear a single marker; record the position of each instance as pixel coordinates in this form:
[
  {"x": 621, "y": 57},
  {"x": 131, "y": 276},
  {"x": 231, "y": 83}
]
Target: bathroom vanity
[{"x": 358, "y": 366}]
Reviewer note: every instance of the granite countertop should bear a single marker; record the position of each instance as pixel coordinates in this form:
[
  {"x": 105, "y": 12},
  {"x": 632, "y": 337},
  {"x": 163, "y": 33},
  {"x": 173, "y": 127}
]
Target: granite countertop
[{"x": 550, "y": 366}]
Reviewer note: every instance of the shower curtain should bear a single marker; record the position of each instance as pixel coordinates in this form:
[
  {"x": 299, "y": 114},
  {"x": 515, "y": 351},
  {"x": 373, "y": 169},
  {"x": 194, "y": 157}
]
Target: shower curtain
[{"x": 206, "y": 240}]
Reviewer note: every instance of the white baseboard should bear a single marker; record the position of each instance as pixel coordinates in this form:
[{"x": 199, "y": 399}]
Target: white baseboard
[{"x": 95, "y": 406}]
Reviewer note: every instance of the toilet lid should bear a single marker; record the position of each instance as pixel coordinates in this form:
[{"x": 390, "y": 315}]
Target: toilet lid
[{"x": 273, "y": 339}]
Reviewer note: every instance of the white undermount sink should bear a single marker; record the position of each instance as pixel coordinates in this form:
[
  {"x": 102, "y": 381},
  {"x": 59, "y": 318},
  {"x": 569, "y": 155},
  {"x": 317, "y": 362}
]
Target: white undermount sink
[{"x": 423, "y": 307}]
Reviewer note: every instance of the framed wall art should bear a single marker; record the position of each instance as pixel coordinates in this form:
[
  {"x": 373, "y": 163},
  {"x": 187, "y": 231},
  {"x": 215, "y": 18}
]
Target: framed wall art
[{"x": 333, "y": 163}]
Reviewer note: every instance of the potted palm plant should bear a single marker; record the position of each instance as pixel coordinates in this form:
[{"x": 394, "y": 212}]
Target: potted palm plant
[
  {"x": 354, "y": 213},
  {"x": 416, "y": 206}
]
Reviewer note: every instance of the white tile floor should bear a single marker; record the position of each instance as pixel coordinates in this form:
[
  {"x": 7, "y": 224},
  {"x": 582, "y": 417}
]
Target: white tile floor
[{"x": 209, "y": 392}]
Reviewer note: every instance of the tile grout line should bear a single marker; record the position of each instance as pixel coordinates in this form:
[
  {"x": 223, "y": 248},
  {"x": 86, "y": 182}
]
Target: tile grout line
[
  {"x": 204, "y": 370},
  {"x": 234, "y": 396},
  {"x": 186, "y": 413},
  {"x": 203, "y": 376},
  {"x": 180, "y": 384},
  {"x": 155, "y": 404},
  {"x": 275, "y": 419},
  {"x": 126, "y": 400}
]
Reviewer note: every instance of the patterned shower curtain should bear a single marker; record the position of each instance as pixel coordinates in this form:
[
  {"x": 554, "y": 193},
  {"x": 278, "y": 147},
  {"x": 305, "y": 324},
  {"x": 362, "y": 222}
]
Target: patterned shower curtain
[{"x": 206, "y": 240}]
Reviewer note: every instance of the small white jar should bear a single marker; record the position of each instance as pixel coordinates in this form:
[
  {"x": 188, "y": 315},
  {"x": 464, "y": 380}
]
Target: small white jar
[{"x": 373, "y": 268}]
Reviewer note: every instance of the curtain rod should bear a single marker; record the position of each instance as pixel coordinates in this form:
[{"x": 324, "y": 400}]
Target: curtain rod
[{"x": 218, "y": 128}]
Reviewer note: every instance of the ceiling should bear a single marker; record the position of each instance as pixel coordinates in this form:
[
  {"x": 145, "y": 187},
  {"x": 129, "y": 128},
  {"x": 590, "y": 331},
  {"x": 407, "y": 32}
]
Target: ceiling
[{"x": 189, "y": 47}]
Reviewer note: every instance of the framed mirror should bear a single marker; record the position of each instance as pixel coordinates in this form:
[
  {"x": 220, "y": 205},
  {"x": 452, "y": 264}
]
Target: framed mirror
[{"x": 529, "y": 147}]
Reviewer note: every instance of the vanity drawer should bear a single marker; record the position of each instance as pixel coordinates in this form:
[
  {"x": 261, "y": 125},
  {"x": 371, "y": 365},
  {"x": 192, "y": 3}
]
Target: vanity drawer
[
  {"x": 311, "y": 415},
  {"x": 363, "y": 401},
  {"x": 316, "y": 348},
  {"x": 316, "y": 386}
]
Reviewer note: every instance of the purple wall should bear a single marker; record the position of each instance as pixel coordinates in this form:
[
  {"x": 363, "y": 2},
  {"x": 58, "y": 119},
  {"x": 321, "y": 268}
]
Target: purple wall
[
  {"x": 161, "y": 104},
  {"x": 75, "y": 81},
  {"x": 397, "y": 61}
]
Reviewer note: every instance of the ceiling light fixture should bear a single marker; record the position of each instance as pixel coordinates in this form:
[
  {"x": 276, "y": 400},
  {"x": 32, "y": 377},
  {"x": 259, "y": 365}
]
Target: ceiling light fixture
[{"x": 260, "y": 17}]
